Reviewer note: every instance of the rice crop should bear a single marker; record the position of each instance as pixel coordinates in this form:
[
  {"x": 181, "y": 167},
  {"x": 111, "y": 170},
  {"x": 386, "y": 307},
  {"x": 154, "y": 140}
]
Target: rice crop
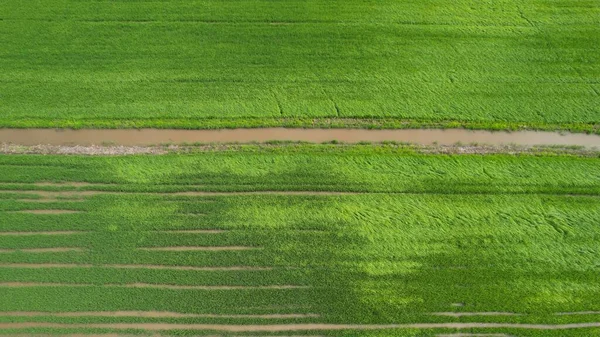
[
  {"x": 337, "y": 63},
  {"x": 315, "y": 240}
]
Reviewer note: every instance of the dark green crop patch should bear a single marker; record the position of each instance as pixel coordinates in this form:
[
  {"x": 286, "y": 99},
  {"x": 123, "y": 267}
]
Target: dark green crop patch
[{"x": 397, "y": 237}]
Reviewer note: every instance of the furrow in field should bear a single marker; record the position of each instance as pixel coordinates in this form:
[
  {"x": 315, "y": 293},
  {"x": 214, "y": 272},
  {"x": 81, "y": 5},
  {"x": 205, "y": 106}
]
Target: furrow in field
[
  {"x": 148, "y": 285},
  {"x": 470, "y": 314},
  {"x": 149, "y": 314},
  {"x": 65, "y": 184},
  {"x": 299, "y": 327},
  {"x": 41, "y": 233},
  {"x": 197, "y": 248},
  {"x": 132, "y": 266},
  {"x": 43, "y": 250}
]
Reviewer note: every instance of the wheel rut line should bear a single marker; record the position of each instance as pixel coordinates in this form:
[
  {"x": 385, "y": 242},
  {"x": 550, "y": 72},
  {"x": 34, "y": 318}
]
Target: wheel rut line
[
  {"x": 298, "y": 327},
  {"x": 578, "y": 313}
]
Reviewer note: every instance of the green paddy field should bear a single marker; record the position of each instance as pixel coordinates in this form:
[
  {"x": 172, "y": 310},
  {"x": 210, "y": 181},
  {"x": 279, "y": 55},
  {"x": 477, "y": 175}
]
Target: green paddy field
[
  {"x": 484, "y": 64},
  {"x": 302, "y": 240}
]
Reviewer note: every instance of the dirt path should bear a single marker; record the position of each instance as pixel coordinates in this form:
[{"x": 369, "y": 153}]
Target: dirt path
[
  {"x": 420, "y": 136},
  {"x": 298, "y": 327}
]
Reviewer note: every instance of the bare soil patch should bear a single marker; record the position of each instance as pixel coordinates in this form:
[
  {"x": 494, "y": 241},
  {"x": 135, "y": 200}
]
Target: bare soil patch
[{"x": 7, "y": 147}]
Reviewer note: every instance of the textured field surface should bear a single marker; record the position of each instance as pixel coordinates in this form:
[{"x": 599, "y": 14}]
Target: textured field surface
[
  {"x": 319, "y": 241},
  {"x": 212, "y": 63}
]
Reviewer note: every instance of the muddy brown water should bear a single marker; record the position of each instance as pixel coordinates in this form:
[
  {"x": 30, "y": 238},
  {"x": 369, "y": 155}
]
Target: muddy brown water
[{"x": 421, "y": 136}]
